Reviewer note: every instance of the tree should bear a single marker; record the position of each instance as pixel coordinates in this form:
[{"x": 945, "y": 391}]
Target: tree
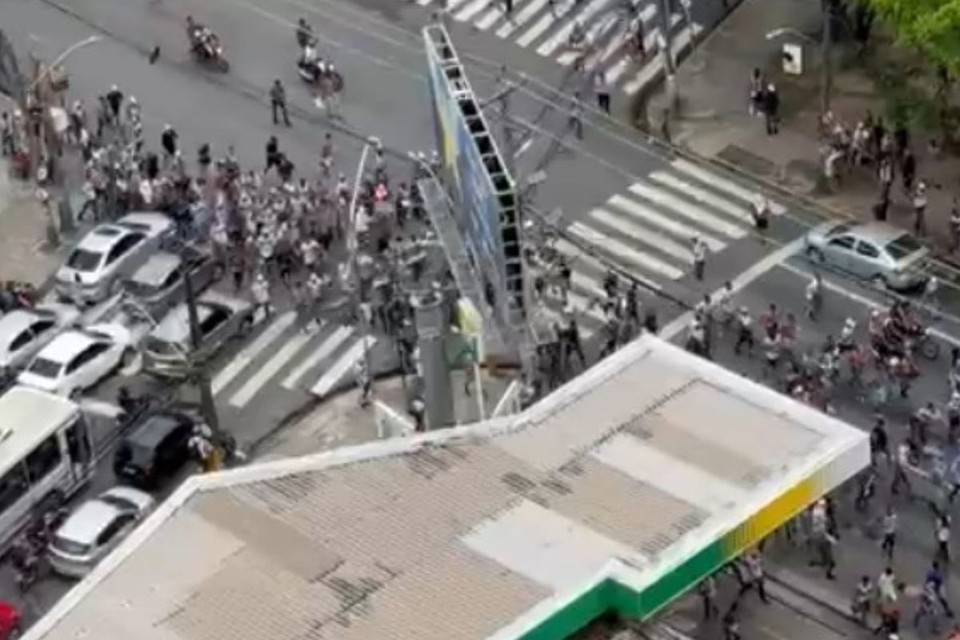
[{"x": 930, "y": 26}]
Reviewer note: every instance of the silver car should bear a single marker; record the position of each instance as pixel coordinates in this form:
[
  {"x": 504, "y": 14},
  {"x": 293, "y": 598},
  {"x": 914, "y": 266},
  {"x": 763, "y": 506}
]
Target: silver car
[
  {"x": 159, "y": 282},
  {"x": 874, "y": 251},
  {"x": 94, "y": 268},
  {"x": 23, "y": 332},
  {"x": 167, "y": 348},
  {"x": 95, "y": 528}
]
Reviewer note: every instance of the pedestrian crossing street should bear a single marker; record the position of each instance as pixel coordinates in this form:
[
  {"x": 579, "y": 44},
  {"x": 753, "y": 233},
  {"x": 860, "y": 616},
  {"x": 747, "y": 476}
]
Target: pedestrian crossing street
[
  {"x": 545, "y": 27},
  {"x": 647, "y": 231},
  {"x": 283, "y": 355}
]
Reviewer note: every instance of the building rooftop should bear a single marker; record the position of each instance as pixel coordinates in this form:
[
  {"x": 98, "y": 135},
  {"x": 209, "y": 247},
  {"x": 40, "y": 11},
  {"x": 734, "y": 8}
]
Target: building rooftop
[{"x": 618, "y": 491}]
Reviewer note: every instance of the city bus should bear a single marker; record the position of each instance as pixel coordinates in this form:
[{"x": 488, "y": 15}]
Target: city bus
[{"x": 46, "y": 455}]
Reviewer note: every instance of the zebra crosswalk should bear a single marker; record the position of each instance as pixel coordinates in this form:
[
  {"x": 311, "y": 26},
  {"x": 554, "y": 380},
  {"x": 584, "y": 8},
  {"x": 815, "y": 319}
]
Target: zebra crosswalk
[
  {"x": 610, "y": 27},
  {"x": 284, "y": 356},
  {"x": 647, "y": 231}
]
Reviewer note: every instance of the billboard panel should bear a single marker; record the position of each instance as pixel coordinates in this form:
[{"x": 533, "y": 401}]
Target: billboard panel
[{"x": 460, "y": 133}]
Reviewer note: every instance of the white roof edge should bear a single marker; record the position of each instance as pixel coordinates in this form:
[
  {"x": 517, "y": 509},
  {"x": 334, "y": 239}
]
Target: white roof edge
[{"x": 767, "y": 398}]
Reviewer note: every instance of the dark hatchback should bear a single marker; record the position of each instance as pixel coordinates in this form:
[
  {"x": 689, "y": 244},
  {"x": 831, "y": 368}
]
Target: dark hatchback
[{"x": 154, "y": 449}]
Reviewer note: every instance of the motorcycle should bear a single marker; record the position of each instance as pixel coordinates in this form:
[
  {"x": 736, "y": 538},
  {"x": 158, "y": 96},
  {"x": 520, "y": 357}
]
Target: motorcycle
[
  {"x": 206, "y": 46},
  {"x": 315, "y": 71}
]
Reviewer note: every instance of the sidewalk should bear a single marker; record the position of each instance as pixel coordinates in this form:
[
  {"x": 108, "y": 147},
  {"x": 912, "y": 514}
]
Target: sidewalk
[
  {"x": 24, "y": 252},
  {"x": 712, "y": 119}
]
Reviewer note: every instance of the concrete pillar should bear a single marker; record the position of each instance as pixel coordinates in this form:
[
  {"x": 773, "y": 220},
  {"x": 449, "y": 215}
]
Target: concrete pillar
[{"x": 432, "y": 327}]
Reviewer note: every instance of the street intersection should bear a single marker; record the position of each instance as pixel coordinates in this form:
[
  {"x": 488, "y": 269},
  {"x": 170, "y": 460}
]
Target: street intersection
[{"x": 623, "y": 204}]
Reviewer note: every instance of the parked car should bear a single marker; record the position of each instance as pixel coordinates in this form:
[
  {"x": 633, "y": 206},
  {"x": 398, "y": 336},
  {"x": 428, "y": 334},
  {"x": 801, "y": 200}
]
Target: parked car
[
  {"x": 220, "y": 317},
  {"x": 77, "y": 359},
  {"x": 155, "y": 448},
  {"x": 93, "y": 271},
  {"x": 874, "y": 251},
  {"x": 159, "y": 282},
  {"x": 95, "y": 528},
  {"x": 23, "y": 332}
]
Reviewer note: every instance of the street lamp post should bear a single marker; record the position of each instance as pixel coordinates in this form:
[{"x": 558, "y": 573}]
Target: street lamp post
[{"x": 353, "y": 247}]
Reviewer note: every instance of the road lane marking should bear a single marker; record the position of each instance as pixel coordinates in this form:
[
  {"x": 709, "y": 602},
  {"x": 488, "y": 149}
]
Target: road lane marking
[
  {"x": 646, "y": 75},
  {"x": 340, "y": 368},
  {"x": 687, "y": 209},
  {"x": 327, "y": 347},
  {"x": 267, "y": 371},
  {"x": 575, "y": 254},
  {"x": 607, "y": 244},
  {"x": 740, "y": 282},
  {"x": 643, "y": 234},
  {"x": 649, "y": 216},
  {"x": 252, "y": 350},
  {"x": 541, "y": 25},
  {"x": 528, "y": 11},
  {"x": 723, "y": 184},
  {"x": 471, "y": 9},
  {"x": 703, "y": 196},
  {"x": 489, "y": 19},
  {"x": 862, "y": 299},
  {"x": 562, "y": 35}
]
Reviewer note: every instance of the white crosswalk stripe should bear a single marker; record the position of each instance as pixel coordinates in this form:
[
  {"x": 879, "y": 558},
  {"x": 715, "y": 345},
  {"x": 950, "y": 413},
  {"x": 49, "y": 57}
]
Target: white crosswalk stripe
[
  {"x": 563, "y": 34},
  {"x": 342, "y": 366},
  {"x": 632, "y": 230},
  {"x": 271, "y": 368},
  {"x": 723, "y": 184},
  {"x": 577, "y": 258},
  {"x": 649, "y": 72},
  {"x": 471, "y": 9},
  {"x": 322, "y": 352},
  {"x": 646, "y": 232},
  {"x": 540, "y": 26},
  {"x": 521, "y": 17},
  {"x": 702, "y": 196},
  {"x": 546, "y": 25},
  {"x": 243, "y": 359},
  {"x": 655, "y": 218},
  {"x": 687, "y": 209},
  {"x": 624, "y": 252},
  {"x": 489, "y": 19}
]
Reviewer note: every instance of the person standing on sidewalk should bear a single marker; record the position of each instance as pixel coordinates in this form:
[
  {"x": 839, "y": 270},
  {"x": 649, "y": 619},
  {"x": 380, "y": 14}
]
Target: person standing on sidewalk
[
  {"x": 920, "y": 209},
  {"x": 954, "y": 226},
  {"x": 908, "y": 171},
  {"x": 699, "y": 257},
  {"x": 888, "y": 527},
  {"x": 771, "y": 110},
  {"x": 602, "y": 89},
  {"x": 755, "y": 104}
]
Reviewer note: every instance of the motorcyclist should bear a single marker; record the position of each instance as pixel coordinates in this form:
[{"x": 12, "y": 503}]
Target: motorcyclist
[{"x": 202, "y": 39}]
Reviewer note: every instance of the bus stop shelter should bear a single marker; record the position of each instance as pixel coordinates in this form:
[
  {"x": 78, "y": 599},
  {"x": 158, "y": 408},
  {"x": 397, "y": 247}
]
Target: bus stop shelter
[{"x": 618, "y": 492}]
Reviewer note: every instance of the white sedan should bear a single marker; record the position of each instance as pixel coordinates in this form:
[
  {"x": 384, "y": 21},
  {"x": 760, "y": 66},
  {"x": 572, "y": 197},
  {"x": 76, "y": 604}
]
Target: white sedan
[
  {"x": 23, "y": 332},
  {"x": 95, "y": 528},
  {"x": 78, "y": 359}
]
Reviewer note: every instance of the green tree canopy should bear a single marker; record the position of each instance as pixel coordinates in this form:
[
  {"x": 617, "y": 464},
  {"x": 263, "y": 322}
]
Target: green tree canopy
[{"x": 931, "y": 26}]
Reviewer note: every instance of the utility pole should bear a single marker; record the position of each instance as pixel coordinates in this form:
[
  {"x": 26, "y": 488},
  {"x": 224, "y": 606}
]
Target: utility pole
[
  {"x": 198, "y": 371},
  {"x": 826, "y": 65},
  {"x": 666, "y": 50}
]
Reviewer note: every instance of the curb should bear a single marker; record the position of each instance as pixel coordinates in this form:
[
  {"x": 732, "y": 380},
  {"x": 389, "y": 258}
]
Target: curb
[
  {"x": 843, "y": 612},
  {"x": 314, "y": 402}
]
